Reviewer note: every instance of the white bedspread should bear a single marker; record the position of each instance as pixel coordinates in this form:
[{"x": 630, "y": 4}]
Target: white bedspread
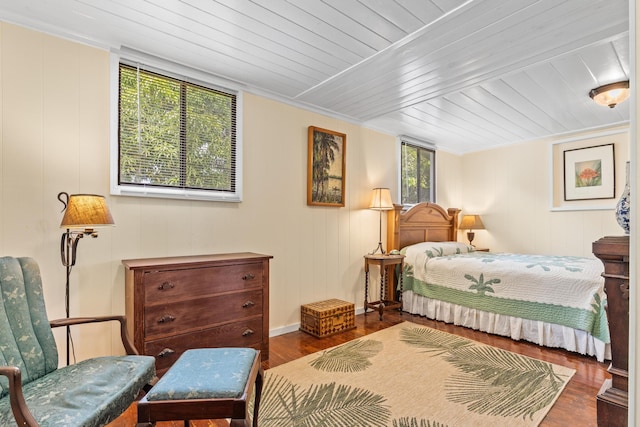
[{"x": 553, "y": 290}]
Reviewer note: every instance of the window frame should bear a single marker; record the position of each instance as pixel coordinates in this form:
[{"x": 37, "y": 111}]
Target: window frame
[
  {"x": 407, "y": 140},
  {"x": 186, "y": 74}
]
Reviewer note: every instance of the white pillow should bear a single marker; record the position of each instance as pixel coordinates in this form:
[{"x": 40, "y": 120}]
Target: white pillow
[{"x": 435, "y": 249}]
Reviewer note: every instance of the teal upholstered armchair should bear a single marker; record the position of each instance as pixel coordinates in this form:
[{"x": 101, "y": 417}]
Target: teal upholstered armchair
[{"x": 33, "y": 390}]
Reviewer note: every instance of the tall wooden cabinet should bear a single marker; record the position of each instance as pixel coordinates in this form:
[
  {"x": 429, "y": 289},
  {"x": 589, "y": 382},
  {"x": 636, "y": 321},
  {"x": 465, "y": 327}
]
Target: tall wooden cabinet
[
  {"x": 612, "y": 400},
  {"x": 178, "y": 303}
]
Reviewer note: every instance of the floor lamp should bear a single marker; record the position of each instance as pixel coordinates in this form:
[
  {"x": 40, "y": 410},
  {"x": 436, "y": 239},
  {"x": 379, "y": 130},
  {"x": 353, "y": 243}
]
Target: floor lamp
[
  {"x": 82, "y": 214},
  {"x": 380, "y": 201}
]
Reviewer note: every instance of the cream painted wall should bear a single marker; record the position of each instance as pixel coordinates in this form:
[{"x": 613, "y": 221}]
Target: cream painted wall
[
  {"x": 54, "y": 137},
  {"x": 317, "y": 250},
  {"x": 511, "y": 189},
  {"x": 54, "y": 122},
  {"x": 449, "y": 183}
]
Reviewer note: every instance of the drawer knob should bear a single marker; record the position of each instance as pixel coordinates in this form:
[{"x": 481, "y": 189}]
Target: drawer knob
[
  {"x": 248, "y": 276},
  {"x": 247, "y": 332},
  {"x": 166, "y": 319},
  {"x": 248, "y": 304},
  {"x": 166, "y": 352},
  {"x": 166, "y": 285}
]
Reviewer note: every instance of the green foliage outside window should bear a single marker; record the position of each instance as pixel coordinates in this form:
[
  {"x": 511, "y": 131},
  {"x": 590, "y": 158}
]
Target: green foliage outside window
[
  {"x": 417, "y": 174},
  {"x": 174, "y": 133}
]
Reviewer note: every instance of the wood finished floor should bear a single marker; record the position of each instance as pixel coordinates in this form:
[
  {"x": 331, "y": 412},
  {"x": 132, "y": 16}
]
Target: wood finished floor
[{"x": 576, "y": 406}]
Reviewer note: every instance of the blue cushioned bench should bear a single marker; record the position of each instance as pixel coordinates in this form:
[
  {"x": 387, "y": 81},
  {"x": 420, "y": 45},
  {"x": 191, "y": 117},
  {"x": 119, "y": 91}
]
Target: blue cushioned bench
[{"x": 206, "y": 384}]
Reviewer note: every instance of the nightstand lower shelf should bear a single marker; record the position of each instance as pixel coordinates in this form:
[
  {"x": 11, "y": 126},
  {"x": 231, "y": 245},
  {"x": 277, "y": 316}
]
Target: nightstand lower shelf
[{"x": 381, "y": 307}]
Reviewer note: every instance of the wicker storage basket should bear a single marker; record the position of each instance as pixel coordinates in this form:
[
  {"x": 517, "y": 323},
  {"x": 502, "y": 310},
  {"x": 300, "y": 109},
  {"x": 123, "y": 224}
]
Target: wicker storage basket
[{"x": 328, "y": 317}]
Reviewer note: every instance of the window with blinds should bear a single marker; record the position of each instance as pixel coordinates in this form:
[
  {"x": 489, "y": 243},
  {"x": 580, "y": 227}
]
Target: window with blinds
[
  {"x": 417, "y": 173},
  {"x": 174, "y": 134}
]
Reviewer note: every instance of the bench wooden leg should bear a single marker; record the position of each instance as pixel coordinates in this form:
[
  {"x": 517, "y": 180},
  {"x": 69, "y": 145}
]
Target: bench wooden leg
[
  {"x": 256, "y": 404},
  {"x": 258, "y": 393}
]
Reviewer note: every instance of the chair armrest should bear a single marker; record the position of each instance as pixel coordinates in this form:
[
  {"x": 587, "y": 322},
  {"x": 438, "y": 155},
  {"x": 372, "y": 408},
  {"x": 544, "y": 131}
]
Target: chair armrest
[
  {"x": 126, "y": 339},
  {"x": 18, "y": 405}
]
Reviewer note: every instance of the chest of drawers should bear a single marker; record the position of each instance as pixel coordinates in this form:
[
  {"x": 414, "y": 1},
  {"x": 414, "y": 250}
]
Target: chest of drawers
[
  {"x": 177, "y": 303},
  {"x": 613, "y": 398}
]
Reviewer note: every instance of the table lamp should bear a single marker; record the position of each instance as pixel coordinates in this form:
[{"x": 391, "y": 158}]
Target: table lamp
[{"x": 471, "y": 222}]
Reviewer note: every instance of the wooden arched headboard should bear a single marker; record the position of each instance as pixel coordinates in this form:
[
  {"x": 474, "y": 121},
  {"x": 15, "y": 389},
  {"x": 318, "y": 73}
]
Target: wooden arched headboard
[{"x": 424, "y": 222}]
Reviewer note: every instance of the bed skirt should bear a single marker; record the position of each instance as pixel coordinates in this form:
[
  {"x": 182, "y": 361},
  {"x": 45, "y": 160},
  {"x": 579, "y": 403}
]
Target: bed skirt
[{"x": 546, "y": 334}]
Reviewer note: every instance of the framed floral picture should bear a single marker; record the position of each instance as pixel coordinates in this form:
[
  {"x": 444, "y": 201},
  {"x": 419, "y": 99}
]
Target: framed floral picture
[
  {"x": 326, "y": 167},
  {"x": 589, "y": 173}
]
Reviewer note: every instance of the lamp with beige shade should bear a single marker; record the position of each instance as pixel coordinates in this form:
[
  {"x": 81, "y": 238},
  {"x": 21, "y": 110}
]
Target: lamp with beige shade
[
  {"x": 380, "y": 201},
  {"x": 82, "y": 214},
  {"x": 471, "y": 222}
]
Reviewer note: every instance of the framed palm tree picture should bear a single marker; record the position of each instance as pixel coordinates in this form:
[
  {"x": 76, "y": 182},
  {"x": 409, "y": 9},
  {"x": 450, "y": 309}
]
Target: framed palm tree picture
[{"x": 326, "y": 167}]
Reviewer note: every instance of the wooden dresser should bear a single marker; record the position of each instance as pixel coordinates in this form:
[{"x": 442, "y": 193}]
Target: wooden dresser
[
  {"x": 612, "y": 400},
  {"x": 178, "y": 303}
]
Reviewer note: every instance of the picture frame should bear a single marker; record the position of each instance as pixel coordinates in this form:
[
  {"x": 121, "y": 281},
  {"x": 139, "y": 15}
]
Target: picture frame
[
  {"x": 326, "y": 167},
  {"x": 589, "y": 173}
]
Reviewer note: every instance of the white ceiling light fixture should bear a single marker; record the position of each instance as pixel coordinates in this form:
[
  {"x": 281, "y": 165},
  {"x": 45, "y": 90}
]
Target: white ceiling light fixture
[{"x": 610, "y": 95}]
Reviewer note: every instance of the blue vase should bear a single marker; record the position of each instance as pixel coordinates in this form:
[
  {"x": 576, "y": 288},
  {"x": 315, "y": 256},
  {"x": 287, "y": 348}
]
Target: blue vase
[{"x": 622, "y": 208}]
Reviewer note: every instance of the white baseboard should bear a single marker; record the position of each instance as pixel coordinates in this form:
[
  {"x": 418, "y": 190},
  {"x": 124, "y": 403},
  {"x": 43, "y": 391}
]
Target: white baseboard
[
  {"x": 284, "y": 330},
  {"x": 296, "y": 326}
]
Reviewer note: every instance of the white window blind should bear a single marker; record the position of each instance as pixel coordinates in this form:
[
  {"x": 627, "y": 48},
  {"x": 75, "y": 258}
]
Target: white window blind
[{"x": 175, "y": 135}]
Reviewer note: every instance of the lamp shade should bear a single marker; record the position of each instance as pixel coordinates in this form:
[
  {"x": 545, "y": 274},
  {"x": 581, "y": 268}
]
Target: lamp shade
[
  {"x": 381, "y": 200},
  {"x": 610, "y": 95},
  {"x": 471, "y": 222},
  {"x": 86, "y": 211}
]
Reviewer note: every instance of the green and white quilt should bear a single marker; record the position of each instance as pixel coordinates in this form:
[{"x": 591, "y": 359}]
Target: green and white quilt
[{"x": 564, "y": 290}]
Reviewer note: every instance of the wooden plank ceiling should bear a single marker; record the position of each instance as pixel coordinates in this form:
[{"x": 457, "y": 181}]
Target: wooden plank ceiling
[{"x": 465, "y": 75}]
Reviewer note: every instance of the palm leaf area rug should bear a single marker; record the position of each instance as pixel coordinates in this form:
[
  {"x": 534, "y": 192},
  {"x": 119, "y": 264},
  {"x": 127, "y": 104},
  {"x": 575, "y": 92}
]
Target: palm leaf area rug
[{"x": 411, "y": 376}]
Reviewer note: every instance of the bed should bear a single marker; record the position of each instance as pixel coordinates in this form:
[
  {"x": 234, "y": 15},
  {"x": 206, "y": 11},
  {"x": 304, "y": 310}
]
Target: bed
[{"x": 554, "y": 301}]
